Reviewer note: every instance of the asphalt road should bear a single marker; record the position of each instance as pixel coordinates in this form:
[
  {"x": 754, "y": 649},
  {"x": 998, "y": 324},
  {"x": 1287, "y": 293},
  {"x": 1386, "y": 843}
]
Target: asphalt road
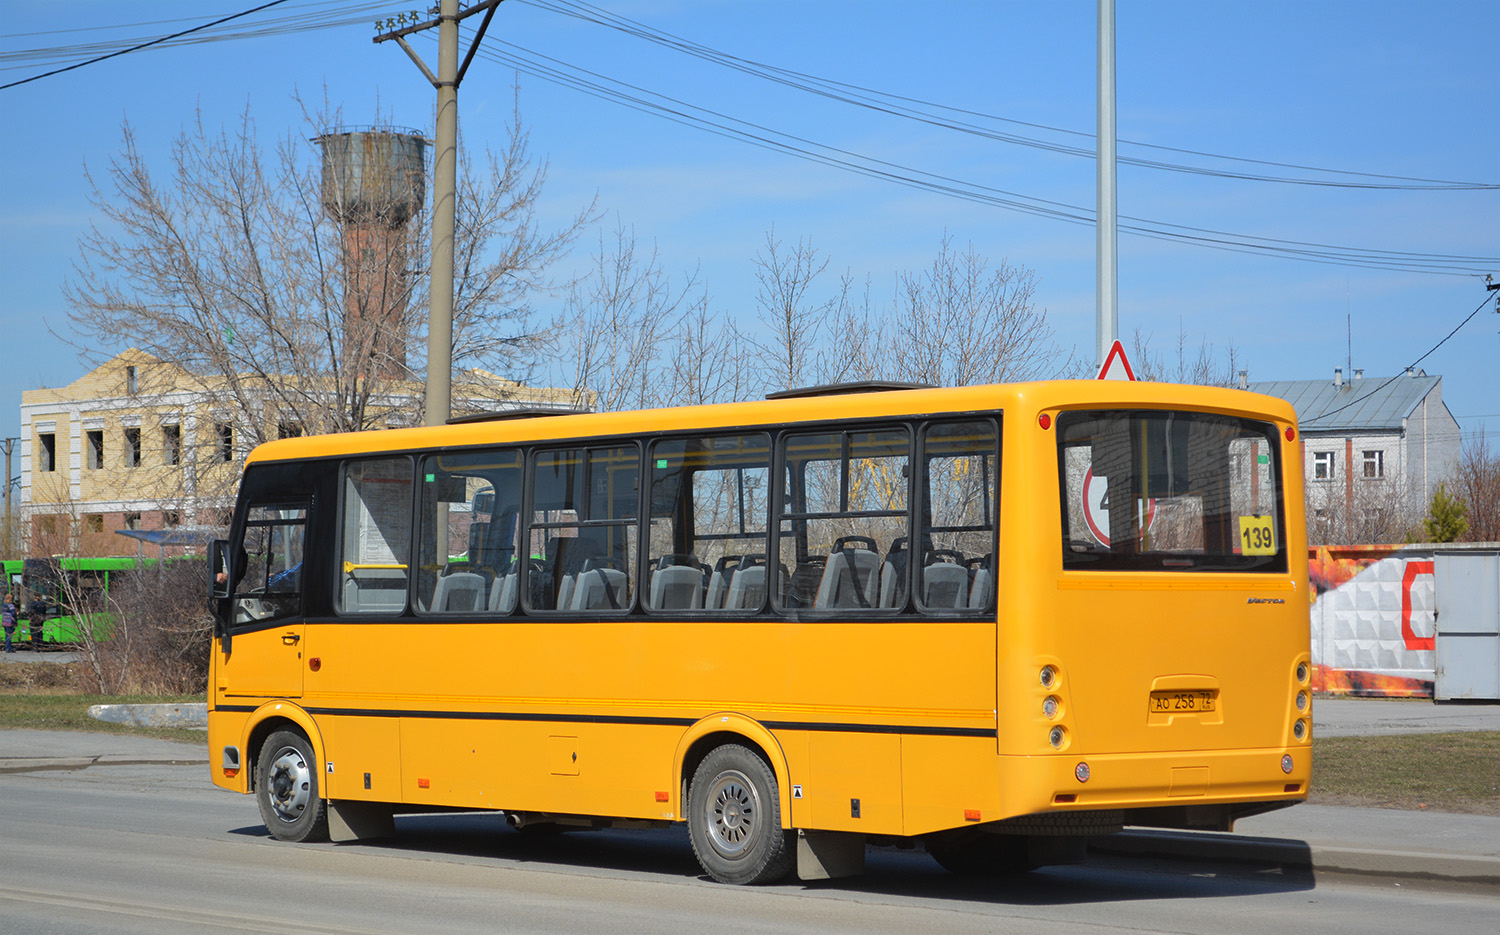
[{"x": 155, "y": 849}]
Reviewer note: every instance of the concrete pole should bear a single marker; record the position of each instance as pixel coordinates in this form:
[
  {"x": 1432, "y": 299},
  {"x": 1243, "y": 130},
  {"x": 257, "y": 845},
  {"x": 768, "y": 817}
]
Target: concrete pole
[
  {"x": 1106, "y": 319},
  {"x": 444, "y": 218},
  {"x": 9, "y": 532}
]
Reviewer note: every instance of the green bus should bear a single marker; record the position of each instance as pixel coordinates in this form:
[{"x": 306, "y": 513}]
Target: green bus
[{"x": 50, "y": 593}]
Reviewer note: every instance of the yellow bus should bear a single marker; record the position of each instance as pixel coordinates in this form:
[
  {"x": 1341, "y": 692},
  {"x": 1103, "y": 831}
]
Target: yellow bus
[{"x": 987, "y": 620}]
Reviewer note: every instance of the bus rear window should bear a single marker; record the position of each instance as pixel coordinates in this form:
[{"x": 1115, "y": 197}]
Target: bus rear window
[{"x": 1169, "y": 491}]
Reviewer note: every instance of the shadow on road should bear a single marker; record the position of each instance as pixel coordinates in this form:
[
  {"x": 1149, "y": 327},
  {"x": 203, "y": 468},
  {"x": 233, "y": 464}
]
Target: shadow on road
[{"x": 889, "y": 872}]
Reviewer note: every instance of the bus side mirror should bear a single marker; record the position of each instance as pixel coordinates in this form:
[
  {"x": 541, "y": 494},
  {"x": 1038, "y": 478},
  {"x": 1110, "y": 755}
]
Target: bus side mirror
[{"x": 218, "y": 569}]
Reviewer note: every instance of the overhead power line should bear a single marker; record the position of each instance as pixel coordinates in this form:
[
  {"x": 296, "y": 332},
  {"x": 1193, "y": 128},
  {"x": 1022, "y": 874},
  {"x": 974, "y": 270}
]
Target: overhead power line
[
  {"x": 296, "y": 18},
  {"x": 323, "y": 14},
  {"x": 1430, "y": 351},
  {"x": 924, "y": 112},
  {"x": 632, "y": 96},
  {"x": 144, "y": 45},
  {"x": 326, "y": 15}
]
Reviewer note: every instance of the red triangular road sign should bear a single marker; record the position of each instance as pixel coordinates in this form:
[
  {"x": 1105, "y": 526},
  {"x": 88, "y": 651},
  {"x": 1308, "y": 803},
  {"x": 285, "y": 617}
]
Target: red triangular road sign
[{"x": 1116, "y": 367}]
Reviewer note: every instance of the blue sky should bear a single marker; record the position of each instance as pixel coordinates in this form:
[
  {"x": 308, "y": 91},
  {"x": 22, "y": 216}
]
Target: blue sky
[{"x": 1386, "y": 88}]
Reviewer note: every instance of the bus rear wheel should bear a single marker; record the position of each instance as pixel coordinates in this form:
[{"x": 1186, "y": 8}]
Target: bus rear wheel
[
  {"x": 734, "y": 818},
  {"x": 287, "y": 789}
]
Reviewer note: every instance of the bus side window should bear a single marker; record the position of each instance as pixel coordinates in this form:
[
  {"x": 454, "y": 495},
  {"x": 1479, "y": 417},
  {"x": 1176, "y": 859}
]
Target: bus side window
[
  {"x": 955, "y": 568},
  {"x": 468, "y": 561},
  {"x": 709, "y": 501},
  {"x": 844, "y": 521},
  {"x": 375, "y": 540},
  {"x": 583, "y": 530}
]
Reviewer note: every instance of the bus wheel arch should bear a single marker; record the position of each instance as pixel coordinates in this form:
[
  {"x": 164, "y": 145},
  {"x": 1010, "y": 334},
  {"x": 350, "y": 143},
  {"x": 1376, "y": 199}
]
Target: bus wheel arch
[
  {"x": 717, "y": 730},
  {"x": 268, "y": 720}
]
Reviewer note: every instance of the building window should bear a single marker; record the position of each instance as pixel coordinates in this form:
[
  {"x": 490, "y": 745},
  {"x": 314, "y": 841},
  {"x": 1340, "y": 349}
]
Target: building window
[
  {"x": 171, "y": 444},
  {"x": 94, "y": 447},
  {"x": 1374, "y": 464},
  {"x": 1323, "y": 465},
  {"x": 132, "y": 446},
  {"x": 47, "y": 456},
  {"x": 224, "y": 441},
  {"x": 132, "y": 521},
  {"x": 132, "y": 384},
  {"x": 171, "y": 519},
  {"x": 47, "y": 525},
  {"x": 94, "y": 522}
]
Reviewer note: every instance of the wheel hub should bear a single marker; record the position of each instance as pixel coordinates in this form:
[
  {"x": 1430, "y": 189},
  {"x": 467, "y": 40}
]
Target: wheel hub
[
  {"x": 733, "y": 811},
  {"x": 290, "y": 784}
]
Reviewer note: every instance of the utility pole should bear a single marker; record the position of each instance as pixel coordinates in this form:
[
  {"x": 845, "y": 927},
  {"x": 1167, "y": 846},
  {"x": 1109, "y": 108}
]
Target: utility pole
[
  {"x": 1106, "y": 317},
  {"x": 10, "y": 444},
  {"x": 449, "y": 75}
]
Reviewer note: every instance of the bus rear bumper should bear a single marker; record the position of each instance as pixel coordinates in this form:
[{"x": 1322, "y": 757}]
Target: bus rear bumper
[{"x": 1203, "y": 789}]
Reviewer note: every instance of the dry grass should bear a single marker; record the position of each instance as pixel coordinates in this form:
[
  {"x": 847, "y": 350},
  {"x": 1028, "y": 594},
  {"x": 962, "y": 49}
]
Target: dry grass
[
  {"x": 1444, "y": 772},
  {"x": 43, "y": 696}
]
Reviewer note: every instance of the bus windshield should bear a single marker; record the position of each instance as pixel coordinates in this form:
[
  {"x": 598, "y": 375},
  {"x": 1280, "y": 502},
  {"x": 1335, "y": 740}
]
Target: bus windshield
[{"x": 1169, "y": 491}]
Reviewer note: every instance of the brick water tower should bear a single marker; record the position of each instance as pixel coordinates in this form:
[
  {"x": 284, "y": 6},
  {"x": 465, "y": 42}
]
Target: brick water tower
[{"x": 373, "y": 186}]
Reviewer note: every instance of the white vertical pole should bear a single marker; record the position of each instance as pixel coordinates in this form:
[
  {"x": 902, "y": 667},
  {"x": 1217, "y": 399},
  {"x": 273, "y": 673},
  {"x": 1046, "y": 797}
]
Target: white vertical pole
[{"x": 1106, "y": 318}]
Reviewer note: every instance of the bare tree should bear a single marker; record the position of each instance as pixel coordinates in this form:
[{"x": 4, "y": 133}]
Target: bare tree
[
  {"x": 709, "y": 359},
  {"x": 634, "y": 339},
  {"x": 1202, "y": 367},
  {"x": 619, "y": 319},
  {"x": 502, "y": 258},
  {"x": 76, "y": 602},
  {"x": 1476, "y": 482},
  {"x": 234, "y": 269},
  {"x": 1373, "y": 512},
  {"x": 960, "y": 322},
  {"x": 792, "y": 321}
]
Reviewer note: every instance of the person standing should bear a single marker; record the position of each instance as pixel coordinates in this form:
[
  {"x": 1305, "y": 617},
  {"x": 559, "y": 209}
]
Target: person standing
[{"x": 8, "y": 614}]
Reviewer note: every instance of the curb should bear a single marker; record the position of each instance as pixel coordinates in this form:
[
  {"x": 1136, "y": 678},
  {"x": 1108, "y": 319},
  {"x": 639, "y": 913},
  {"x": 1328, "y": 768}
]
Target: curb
[
  {"x": 1462, "y": 869},
  {"x": 69, "y": 763},
  {"x": 189, "y": 716}
]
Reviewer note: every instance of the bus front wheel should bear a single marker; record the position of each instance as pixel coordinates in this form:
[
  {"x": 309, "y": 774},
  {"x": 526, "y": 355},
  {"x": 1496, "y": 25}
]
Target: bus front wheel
[
  {"x": 734, "y": 818},
  {"x": 287, "y": 789}
]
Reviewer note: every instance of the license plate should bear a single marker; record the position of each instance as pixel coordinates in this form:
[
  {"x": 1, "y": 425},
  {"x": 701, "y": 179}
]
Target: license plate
[{"x": 1183, "y": 702}]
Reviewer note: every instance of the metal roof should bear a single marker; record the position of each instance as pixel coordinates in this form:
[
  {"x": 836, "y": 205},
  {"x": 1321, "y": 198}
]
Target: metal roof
[
  {"x": 1365, "y": 404},
  {"x": 181, "y": 535}
]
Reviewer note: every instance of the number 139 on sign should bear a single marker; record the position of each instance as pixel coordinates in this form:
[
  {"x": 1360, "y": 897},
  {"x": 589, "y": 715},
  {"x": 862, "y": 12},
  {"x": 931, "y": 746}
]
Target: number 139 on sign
[{"x": 1256, "y": 536}]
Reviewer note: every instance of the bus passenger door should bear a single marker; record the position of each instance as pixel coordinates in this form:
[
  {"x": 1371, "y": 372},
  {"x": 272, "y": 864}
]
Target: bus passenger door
[{"x": 265, "y": 654}]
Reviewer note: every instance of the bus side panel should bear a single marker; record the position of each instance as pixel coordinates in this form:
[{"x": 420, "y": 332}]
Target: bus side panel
[
  {"x": 492, "y": 714},
  {"x": 949, "y": 781},
  {"x": 554, "y": 767},
  {"x": 364, "y": 758},
  {"x": 854, "y": 781}
]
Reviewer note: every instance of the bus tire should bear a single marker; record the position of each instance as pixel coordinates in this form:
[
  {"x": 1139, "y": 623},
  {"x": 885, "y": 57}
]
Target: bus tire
[
  {"x": 734, "y": 818},
  {"x": 979, "y": 854},
  {"x": 288, "y": 791}
]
